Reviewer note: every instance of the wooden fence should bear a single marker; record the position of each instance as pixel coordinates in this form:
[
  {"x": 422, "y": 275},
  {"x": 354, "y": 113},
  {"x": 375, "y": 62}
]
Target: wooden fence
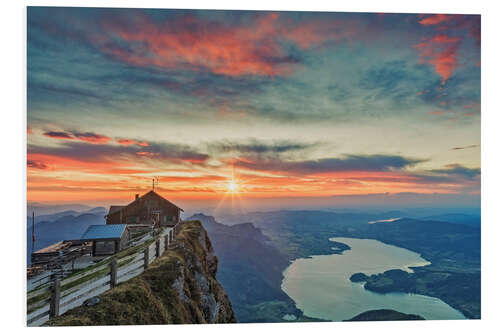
[{"x": 58, "y": 296}]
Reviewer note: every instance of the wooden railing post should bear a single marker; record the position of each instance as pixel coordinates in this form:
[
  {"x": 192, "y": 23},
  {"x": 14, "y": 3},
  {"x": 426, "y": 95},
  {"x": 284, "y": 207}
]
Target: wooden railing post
[
  {"x": 146, "y": 257},
  {"x": 54, "y": 298},
  {"x": 158, "y": 248},
  {"x": 166, "y": 242},
  {"x": 112, "y": 272}
]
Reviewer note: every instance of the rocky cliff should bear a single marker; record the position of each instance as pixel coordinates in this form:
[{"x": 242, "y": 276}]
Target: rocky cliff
[{"x": 178, "y": 288}]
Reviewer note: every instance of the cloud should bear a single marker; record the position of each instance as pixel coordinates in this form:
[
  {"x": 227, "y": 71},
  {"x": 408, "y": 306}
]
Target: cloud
[
  {"x": 59, "y": 135},
  {"x": 435, "y": 19},
  {"x": 190, "y": 42},
  {"x": 128, "y": 142},
  {"x": 92, "y": 137},
  {"x": 459, "y": 170},
  {"x": 471, "y": 23},
  {"x": 258, "y": 147},
  {"x": 36, "y": 165},
  {"x": 73, "y": 152},
  {"x": 258, "y": 45},
  {"x": 396, "y": 80},
  {"x": 441, "y": 51},
  {"x": 465, "y": 147},
  {"x": 348, "y": 163},
  {"x": 81, "y": 136}
]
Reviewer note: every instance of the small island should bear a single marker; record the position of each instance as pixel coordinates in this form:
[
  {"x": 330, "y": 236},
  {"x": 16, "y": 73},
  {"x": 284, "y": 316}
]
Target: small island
[
  {"x": 358, "y": 277},
  {"x": 384, "y": 315}
]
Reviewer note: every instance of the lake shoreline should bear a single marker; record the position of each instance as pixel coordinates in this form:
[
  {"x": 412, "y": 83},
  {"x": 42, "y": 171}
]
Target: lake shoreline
[{"x": 413, "y": 260}]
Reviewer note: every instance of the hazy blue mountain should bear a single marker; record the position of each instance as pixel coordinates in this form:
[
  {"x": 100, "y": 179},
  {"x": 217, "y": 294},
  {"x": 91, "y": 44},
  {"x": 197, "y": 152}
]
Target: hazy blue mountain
[
  {"x": 97, "y": 210},
  {"x": 66, "y": 213},
  {"x": 63, "y": 228},
  {"x": 466, "y": 219},
  {"x": 44, "y": 209},
  {"x": 51, "y": 217}
]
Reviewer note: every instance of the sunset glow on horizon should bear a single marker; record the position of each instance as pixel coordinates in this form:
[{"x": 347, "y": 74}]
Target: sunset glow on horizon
[{"x": 250, "y": 105}]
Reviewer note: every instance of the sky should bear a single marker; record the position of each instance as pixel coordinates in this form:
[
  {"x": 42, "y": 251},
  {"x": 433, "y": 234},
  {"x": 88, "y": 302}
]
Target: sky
[{"x": 276, "y": 109}]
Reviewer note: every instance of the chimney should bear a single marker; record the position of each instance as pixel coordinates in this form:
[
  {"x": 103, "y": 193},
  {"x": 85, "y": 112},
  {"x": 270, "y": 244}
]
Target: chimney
[{"x": 136, "y": 196}]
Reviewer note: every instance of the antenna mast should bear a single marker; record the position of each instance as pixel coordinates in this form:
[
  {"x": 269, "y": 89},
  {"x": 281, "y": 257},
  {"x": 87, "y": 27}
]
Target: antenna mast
[
  {"x": 155, "y": 182},
  {"x": 32, "y": 234}
]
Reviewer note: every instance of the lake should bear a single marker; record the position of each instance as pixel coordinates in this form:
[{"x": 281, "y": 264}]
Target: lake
[{"x": 321, "y": 288}]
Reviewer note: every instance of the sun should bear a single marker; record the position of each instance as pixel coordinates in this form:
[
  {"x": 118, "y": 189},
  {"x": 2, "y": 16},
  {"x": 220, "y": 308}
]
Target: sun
[{"x": 232, "y": 186}]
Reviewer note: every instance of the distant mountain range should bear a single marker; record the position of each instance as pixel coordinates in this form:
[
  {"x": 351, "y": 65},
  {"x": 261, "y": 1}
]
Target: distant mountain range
[
  {"x": 65, "y": 213},
  {"x": 66, "y": 225},
  {"x": 465, "y": 219},
  {"x": 44, "y": 209}
]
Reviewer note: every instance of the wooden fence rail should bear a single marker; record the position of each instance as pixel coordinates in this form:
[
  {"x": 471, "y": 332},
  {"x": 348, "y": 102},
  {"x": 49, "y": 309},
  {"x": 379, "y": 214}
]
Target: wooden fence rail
[{"x": 55, "y": 298}]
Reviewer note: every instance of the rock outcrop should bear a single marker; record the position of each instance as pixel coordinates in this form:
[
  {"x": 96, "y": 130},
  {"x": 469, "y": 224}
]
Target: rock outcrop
[{"x": 180, "y": 287}]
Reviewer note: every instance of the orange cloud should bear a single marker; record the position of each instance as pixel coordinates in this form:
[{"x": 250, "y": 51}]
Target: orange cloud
[
  {"x": 61, "y": 163},
  {"x": 196, "y": 43},
  {"x": 437, "y": 112},
  {"x": 36, "y": 165},
  {"x": 441, "y": 52},
  {"x": 146, "y": 153},
  {"x": 92, "y": 138},
  {"x": 86, "y": 137},
  {"x": 435, "y": 19},
  {"x": 128, "y": 142}
]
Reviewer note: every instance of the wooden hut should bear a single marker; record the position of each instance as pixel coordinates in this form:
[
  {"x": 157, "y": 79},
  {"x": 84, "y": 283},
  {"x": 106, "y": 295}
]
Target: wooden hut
[
  {"x": 149, "y": 209},
  {"x": 106, "y": 239}
]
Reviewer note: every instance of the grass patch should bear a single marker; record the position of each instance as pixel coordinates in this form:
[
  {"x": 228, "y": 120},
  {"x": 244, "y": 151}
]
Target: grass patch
[
  {"x": 37, "y": 299},
  {"x": 97, "y": 274}
]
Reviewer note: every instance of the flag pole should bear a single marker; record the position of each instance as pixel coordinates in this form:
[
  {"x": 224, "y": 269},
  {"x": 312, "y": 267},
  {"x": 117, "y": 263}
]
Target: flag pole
[{"x": 32, "y": 234}]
